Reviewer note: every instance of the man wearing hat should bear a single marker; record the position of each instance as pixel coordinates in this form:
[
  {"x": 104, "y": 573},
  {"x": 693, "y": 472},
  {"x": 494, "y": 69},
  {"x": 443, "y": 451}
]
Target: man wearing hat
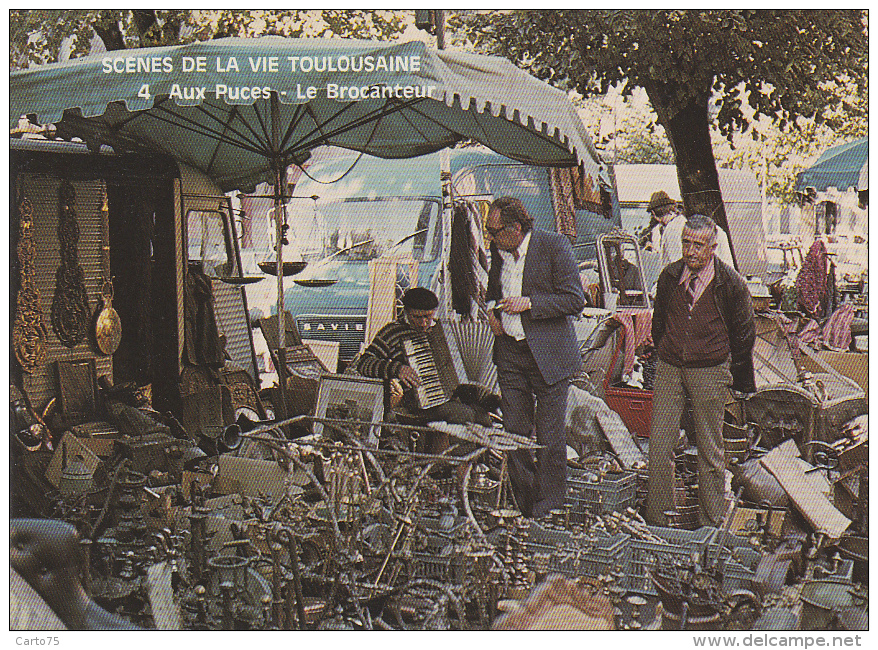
[
  {"x": 662, "y": 208},
  {"x": 385, "y": 357}
]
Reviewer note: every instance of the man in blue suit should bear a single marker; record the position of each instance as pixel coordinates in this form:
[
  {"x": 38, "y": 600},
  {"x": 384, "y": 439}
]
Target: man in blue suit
[{"x": 535, "y": 288}]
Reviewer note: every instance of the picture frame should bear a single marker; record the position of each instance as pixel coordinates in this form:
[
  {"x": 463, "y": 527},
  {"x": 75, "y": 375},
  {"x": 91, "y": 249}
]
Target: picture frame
[{"x": 350, "y": 396}]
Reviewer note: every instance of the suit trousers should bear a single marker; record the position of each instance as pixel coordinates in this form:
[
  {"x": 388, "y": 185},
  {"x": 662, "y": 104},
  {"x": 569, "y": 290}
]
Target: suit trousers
[
  {"x": 708, "y": 390},
  {"x": 530, "y": 403}
]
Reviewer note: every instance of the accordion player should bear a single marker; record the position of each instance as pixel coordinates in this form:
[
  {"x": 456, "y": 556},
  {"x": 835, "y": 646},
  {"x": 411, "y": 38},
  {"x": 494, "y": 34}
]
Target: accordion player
[{"x": 411, "y": 353}]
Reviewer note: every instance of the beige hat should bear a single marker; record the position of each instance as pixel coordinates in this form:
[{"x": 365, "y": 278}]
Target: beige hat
[{"x": 659, "y": 200}]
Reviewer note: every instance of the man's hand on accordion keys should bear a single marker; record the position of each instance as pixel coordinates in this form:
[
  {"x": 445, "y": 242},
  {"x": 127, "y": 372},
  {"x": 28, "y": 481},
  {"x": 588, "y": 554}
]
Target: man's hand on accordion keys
[{"x": 408, "y": 377}]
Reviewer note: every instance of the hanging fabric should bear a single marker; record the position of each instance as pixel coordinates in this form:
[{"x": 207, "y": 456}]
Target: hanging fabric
[{"x": 561, "y": 183}]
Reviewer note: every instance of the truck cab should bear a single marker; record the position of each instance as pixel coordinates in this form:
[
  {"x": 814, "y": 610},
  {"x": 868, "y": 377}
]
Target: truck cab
[{"x": 349, "y": 208}]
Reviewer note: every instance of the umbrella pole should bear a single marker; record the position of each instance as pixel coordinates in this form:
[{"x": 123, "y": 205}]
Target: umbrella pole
[{"x": 280, "y": 168}]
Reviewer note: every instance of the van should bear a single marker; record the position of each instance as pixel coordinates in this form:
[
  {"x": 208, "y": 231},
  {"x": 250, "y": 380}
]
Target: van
[{"x": 349, "y": 208}]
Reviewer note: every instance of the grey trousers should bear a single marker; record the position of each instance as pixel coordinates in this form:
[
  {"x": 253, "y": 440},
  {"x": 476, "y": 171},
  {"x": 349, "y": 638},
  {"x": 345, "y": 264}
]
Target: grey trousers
[
  {"x": 708, "y": 390},
  {"x": 529, "y": 403}
]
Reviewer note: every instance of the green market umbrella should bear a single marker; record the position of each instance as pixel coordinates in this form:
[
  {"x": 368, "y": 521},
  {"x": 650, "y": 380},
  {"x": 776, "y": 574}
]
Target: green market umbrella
[
  {"x": 237, "y": 108},
  {"x": 241, "y": 110},
  {"x": 843, "y": 167}
]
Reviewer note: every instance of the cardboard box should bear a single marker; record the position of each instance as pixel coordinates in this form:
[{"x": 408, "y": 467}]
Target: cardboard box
[
  {"x": 853, "y": 365},
  {"x": 89, "y": 450},
  {"x": 250, "y": 476}
]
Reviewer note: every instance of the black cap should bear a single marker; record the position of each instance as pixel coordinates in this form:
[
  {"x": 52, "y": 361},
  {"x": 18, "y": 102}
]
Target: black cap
[{"x": 420, "y": 298}]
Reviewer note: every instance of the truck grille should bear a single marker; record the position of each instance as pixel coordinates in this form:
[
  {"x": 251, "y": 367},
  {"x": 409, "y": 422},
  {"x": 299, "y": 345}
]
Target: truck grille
[{"x": 349, "y": 331}]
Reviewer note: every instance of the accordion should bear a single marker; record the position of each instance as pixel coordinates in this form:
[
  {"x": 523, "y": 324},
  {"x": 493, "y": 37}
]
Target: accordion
[{"x": 448, "y": 354}]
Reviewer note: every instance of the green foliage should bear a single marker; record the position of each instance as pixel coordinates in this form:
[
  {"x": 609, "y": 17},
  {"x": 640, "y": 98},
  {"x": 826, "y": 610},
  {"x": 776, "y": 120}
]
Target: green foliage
[
  {"x": 36, "y": 36},
  {"x": 798, "y": 77},
  {"x": 626, "y": 129},
  {"x": 792, "y": 148},
  {"x": 781, "y": 57}
]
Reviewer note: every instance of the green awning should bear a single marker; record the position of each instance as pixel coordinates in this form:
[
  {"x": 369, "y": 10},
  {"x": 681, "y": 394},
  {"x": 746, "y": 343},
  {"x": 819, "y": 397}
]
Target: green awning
[
  {"x": 844, "y": 166},
  {"x": 236, "y": 108}
]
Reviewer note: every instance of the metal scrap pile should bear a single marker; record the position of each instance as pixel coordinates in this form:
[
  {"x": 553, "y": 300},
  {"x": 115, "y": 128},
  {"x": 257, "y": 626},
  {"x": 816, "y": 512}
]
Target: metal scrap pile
[{"x": 327, "y": 532}]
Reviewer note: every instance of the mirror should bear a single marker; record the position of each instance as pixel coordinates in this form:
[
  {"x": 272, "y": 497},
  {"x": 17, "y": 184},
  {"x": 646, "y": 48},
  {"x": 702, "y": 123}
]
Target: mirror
[{"x": 621, "y": 271}]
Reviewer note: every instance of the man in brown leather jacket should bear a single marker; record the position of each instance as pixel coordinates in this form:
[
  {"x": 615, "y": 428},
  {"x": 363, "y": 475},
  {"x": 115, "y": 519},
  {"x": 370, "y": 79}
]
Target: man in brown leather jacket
[{"x": 703, "y": 330}]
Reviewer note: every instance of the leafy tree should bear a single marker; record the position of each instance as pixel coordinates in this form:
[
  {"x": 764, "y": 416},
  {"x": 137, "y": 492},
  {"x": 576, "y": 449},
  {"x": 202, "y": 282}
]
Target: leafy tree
[
  {"x": 625, "y": 128},
  {"x": 791, "y": 149},
  {"x": 775, "y": 61},
  {"x": 39, "y": 36}
]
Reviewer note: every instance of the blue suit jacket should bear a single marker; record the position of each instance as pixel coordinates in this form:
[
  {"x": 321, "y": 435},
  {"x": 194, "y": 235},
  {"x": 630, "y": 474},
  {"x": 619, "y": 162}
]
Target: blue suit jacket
[{"x": 551, "y": 281}]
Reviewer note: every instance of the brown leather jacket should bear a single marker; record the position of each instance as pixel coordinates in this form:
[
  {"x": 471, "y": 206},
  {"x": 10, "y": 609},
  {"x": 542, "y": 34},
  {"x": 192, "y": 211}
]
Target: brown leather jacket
[{"x": 736, "y": 308}]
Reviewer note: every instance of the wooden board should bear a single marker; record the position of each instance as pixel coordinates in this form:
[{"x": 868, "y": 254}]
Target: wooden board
[
  {"x": 381, "y": 308},
  {"x": 853, "y": 365},
  {"x": 326, "y": 351},
  {"x": 249, "y": 476},
  {"x": 77, "y": 388},
  {"x": 165, "y": 610},
  {"x": 270, "y": 331},
  {"x": 805, "y": 490}
]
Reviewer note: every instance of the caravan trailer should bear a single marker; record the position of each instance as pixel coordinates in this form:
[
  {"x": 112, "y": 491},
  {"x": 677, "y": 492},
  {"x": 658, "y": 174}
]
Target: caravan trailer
[
  {"x": 743, "y": 203},
  {"x": 142, "y": 221}
]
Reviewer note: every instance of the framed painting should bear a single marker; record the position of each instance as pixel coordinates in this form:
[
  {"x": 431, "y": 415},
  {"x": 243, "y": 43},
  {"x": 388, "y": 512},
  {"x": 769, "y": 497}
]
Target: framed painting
[{"x": 350, "y": 397}]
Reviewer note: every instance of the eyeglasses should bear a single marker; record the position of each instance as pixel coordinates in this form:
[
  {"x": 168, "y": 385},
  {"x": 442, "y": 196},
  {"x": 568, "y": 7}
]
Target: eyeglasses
[{"x": 496, "y": 231}]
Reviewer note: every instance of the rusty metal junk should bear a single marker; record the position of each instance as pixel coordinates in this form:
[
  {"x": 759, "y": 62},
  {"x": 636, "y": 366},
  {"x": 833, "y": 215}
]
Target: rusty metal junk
[
  {"x": 29, "y": 329},
  {"x": 328, "y": 532}
]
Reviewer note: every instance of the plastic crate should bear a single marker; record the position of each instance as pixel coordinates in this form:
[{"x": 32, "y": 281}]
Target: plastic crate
[
  {"x": 594, "y": 558},
  {"x": 611, "y": 493},
  {"x": 739, "y": 575},
  {"x": 677, "y": 547},
  {"x": 537, "y": 534},
  {"x": 633, "y": 405},
  {"x": 680, "y": 546}
]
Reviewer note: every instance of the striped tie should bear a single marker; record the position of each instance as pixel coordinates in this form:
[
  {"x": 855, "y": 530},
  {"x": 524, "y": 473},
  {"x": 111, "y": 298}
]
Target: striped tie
[{"x": 690, "y": 292}]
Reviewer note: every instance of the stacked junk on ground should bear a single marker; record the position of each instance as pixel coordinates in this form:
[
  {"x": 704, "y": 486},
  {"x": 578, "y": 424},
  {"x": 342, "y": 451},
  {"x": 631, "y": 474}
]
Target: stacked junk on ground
[
  {"x": 222, "y": 518},
  {"x": 155, "y": 485}
]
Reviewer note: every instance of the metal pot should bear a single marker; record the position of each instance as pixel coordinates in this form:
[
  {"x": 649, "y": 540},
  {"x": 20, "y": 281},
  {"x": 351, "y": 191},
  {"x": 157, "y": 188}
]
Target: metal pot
[
  {"x": 857, "y": 549},
  {"x": 76, "y": 478},
  {"x": 822, "y": 601}
]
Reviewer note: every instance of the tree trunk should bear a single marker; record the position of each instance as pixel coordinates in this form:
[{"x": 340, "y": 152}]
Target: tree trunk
[
  {"x": 689, "y": 133},
  {"x": 110, "y": 34}
]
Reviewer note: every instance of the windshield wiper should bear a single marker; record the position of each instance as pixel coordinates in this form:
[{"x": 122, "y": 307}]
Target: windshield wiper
[
  {"x": 343, "y": 250},
  {"x": 404, "y": 239}
]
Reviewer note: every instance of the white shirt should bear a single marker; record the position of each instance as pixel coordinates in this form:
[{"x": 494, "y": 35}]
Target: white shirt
[
  {"x": 672, "y": 242},
  {"x": 511, "y": 274}
]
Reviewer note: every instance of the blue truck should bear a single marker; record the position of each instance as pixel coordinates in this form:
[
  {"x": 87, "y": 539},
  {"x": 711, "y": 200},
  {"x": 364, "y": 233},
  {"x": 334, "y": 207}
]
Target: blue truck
[{"x": 347, "y": 209}]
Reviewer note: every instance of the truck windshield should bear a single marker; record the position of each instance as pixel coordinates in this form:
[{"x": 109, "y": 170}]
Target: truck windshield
[{"x": 362, "y": 229}]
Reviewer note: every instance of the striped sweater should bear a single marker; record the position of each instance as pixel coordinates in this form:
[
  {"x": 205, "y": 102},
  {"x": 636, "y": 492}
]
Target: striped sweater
[{"x": 385, "y": 355}]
